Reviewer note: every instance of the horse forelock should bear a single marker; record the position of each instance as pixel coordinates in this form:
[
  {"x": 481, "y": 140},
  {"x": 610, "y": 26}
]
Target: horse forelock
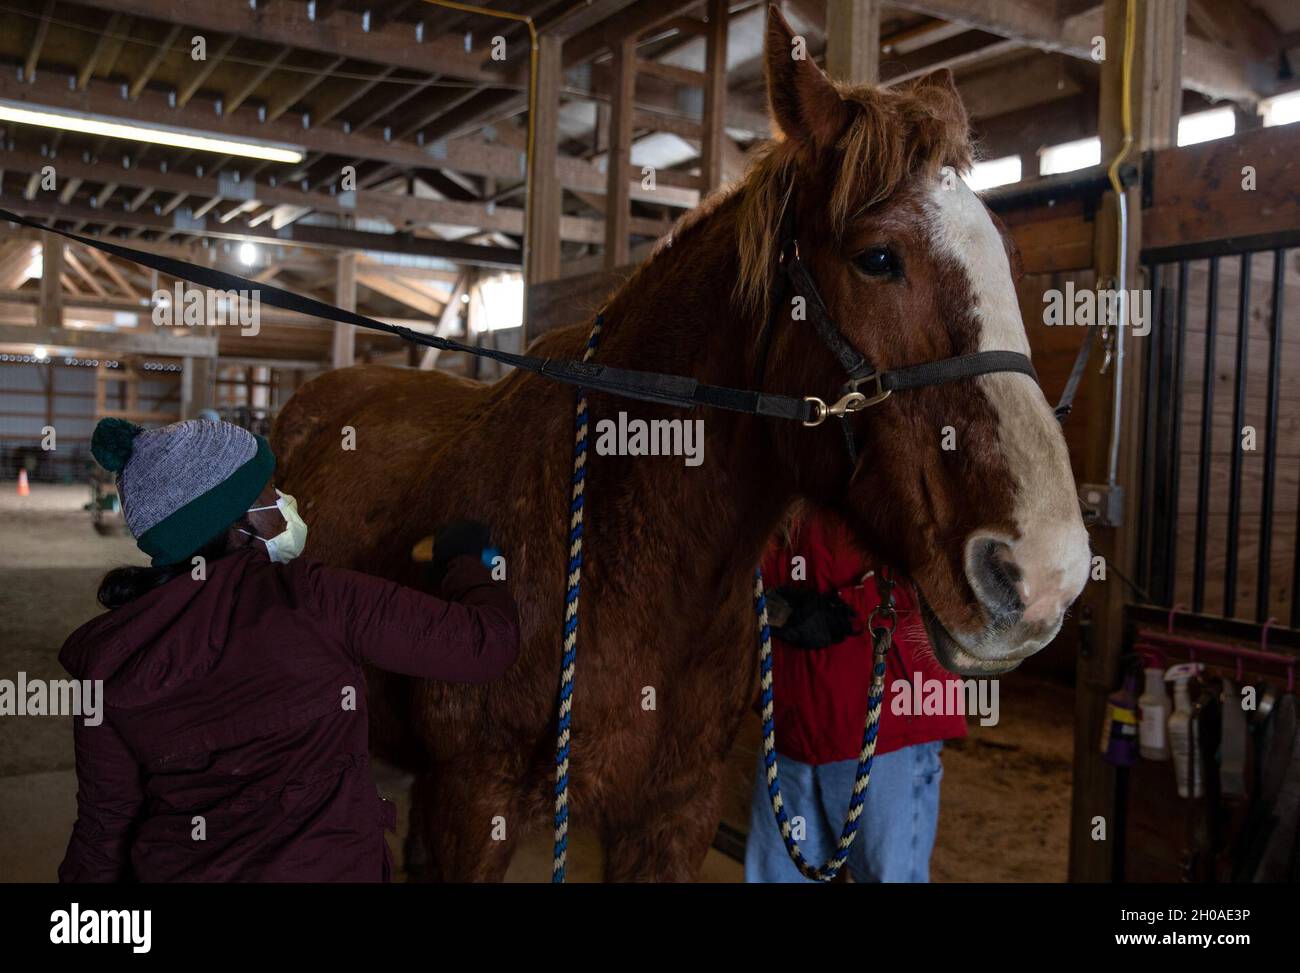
[{"x": 894, "y": 136}]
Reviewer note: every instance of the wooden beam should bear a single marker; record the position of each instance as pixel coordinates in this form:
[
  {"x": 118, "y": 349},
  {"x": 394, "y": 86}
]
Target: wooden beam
[
  {"x": 196, "y": 386},
  {"x": 83, "y": 273},
  {"x": 202, "y": 69},
  {"x": 38, "y": 42},
  {"x": 345, "y": 296},
  {"x": 619, "y": 160},
  {"x": 162, "y": 50},
  {"x": 853, "y": 40},
  {"x": 473, "y": 155},
  {"x": 49, "y": 313},
  {"x": 288, "y": 24},
  {"x": 542, "y": 245},
  {"x": 715, "y": 96},
  {"x": 101, "y": 46},
  {"x": 1209, "y": 68},
  {"x": 112, "y": 273},
  {"x": 1154, "y": 103},
  {"x": 232, "y": 101},
  {"x": 176, "y": 342},
  {"x": 300, "y": 234}
]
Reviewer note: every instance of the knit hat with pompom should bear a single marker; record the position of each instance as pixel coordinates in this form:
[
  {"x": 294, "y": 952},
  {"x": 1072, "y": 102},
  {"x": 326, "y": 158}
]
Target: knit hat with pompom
[{"x": 182, "y": 485}]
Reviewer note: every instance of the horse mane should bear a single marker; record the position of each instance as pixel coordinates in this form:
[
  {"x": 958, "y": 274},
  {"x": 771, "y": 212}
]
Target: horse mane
[{"x": 893, "y": 135}]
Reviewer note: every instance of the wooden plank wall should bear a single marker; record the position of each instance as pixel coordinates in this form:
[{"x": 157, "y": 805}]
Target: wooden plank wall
[{"x": 1225, "y": 439}]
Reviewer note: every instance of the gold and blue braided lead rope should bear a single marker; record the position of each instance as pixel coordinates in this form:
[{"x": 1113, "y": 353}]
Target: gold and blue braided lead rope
[
  {"x": 882, "y": 638},
  {"x": 569, "y": 653}
]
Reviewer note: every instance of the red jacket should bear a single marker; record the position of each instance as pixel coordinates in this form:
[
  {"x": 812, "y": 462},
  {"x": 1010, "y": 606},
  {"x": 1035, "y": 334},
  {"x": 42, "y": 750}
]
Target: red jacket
[
  {"x": 820, "y": 695},
  {"x": 227, "y": 700}
]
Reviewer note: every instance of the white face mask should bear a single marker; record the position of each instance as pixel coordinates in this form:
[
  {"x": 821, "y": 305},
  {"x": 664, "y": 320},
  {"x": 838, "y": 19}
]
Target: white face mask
[{"x": 288, "y": 544}]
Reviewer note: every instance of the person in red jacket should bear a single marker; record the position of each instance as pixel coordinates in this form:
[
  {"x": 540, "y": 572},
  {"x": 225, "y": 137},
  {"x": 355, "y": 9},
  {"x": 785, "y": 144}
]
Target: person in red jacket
[
  {"x": 233, "y": 743},
  {"x": 822, "y": 590}
]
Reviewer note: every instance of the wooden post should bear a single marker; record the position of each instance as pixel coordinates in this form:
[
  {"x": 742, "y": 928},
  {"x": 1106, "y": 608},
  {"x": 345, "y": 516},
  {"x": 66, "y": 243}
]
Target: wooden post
[
  {"x": 345, "y": 352},
  {"x": 1155, "y": 99},
  {"x": 618, "y": 166},
  {"x": 542, "y": 246},
  {"x": 50, "y": 312},
  {"x": 712, "y": 151},
  {"x": 196, "y": 386},
  {"x": 853, "y": 40}
]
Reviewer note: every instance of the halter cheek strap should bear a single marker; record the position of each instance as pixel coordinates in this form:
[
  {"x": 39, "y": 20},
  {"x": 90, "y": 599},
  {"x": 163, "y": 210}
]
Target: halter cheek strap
[{"x": 865, "y": 386}]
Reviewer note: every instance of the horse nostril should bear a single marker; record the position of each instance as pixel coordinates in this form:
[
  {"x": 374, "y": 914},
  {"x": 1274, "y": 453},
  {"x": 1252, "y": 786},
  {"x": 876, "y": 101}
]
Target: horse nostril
[{"x": 995, "y": 577}]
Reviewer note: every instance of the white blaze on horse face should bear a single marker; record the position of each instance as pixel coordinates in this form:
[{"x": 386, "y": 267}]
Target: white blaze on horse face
[{"x": 1051, "y": 546}]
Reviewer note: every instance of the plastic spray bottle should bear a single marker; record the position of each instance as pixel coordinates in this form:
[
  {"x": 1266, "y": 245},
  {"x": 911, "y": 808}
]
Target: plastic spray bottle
[
  {"x": 1153, "y": 710},
  {"x": 1119, "y": 743},
  {"x": 1183, "y": 731}
]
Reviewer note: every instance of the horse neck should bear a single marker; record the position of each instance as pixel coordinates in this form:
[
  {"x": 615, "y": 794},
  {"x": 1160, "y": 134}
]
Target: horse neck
[{"x": 676, "y": 316}]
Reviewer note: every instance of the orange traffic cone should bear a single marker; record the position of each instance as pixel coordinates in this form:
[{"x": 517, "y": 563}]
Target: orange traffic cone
[{"x": 23, "y": 489}]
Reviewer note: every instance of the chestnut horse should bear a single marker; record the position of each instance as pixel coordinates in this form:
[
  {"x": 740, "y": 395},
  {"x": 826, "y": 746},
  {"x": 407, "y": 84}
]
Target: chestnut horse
[{"x": 912, "y": 269}]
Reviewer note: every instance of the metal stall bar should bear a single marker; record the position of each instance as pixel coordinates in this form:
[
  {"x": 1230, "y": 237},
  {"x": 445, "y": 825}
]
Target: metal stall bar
[
  {"x": 1270, "y": 442},
  {"x": 1171, "y": 441},
  {"x": 1207, "y": 440},
  {"x": 1238, "y": 418},
  {"x": 1153, "y": 408}
]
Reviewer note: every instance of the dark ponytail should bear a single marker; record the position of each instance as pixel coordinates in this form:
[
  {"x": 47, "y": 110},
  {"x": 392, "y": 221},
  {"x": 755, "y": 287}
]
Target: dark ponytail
[{"x": 121, "y": 586}]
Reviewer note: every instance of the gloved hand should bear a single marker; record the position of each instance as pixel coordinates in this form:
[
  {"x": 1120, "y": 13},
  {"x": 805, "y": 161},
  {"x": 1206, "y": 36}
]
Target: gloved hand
[
  {"x": 816, "y": 619},
  {"x": 467, "y": 538}
]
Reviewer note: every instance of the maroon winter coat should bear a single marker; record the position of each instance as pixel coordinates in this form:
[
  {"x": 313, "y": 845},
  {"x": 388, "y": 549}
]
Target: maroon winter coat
[{"x": 228, "y": 700}]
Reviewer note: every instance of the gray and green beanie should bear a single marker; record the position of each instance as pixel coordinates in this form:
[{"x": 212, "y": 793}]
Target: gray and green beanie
[{"x": 182, "y": 485}]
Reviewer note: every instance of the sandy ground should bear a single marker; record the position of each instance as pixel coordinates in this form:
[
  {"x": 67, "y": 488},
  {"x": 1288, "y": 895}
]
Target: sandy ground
[{"x": 1006, "y": 789}]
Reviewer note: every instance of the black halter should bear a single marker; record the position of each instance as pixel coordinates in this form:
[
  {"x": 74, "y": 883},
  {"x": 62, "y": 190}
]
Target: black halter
[
  {"x": 792, "y": 275},
  {"x": 673, "y": 390}
]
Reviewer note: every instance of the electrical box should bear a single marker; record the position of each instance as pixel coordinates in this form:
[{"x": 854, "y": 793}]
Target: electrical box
[{"x": 1103, "y": 504}]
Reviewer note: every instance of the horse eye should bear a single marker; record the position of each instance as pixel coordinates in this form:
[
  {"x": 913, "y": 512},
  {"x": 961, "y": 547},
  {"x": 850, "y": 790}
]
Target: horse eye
[{"x": 877, "y": 262}]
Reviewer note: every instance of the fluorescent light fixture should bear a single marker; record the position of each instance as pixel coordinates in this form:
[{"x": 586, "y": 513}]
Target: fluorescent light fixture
[
  {"x": 158, "y": 135},
  {"x": 247, "y": 254},
  {"x": 1069, "y": 156},
  {"x": 994, "y": 172},
  {"x": 1203, "y": 126}
]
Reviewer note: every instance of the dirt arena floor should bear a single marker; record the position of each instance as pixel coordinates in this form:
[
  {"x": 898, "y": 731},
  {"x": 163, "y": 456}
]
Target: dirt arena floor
[{"x": 1006, "y": 789}]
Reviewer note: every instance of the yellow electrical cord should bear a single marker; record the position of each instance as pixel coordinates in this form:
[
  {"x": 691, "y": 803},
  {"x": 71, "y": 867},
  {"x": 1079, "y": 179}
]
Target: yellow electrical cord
[
  {"x": 1126, "y": 85},
  {"x": 532, "y": 96}
]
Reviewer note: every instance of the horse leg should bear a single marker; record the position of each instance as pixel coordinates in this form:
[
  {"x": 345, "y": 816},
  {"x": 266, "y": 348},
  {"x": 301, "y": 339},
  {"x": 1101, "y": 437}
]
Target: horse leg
[
  {"x": 667, "y": 838},
  {"x": 468, "y": 816}
]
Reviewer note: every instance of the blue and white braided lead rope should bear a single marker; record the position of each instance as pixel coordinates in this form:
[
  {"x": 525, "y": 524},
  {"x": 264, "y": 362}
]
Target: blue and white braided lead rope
[
  {"x": 569, "y": 654},
  {"x": 881, "y": 639}
]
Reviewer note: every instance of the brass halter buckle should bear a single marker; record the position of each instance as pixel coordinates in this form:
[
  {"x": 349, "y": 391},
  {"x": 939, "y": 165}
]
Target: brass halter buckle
[{"x": 854, "y": 401}]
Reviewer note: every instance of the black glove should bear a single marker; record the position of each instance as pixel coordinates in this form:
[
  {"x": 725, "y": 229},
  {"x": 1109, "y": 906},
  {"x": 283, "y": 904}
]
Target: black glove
[
  {"x": 459, "y": 538},
  {"x": 816, "y": 619}
]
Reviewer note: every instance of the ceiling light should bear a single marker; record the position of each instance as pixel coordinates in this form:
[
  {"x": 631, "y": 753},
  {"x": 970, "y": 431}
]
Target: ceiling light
[
  {"x": 178, "y": 138},
  {"x": 247, "y": 254},
  {"x": 38, "y": 352}
]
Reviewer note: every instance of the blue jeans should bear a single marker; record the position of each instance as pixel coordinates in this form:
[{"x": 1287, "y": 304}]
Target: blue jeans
[{"x": 899, "y": 817}]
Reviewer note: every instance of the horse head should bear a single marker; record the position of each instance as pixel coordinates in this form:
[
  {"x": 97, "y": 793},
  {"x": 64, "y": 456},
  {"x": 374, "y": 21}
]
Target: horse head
[{"x": 967, "y": 485}]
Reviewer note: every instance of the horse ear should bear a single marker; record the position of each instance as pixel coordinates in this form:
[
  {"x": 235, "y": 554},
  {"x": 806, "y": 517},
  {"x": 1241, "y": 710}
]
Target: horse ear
[{"x": 804, "y": 103}]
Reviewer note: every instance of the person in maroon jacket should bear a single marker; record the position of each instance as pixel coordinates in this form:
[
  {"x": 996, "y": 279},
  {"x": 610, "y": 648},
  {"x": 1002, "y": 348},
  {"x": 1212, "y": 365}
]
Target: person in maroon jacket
[
  {"x": 821, "y": 592},
  {"x": 234, "y": 743}
]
